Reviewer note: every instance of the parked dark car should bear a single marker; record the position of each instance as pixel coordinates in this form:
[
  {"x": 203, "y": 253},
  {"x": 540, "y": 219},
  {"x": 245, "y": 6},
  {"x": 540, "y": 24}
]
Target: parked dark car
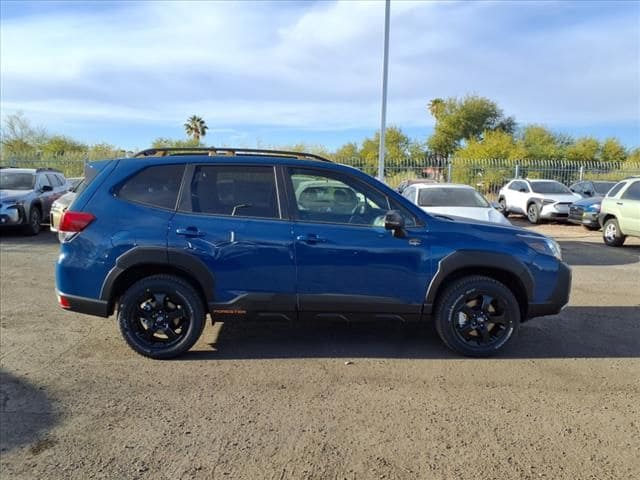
[
  {"x": 166, "y": 238},
  {"x": 585, "y": 212},
  {"x": 26, "y": 195}
]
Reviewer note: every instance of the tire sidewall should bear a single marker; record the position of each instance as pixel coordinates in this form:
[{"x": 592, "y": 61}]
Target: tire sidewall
[
  {"x": 536, "y": 209},
  {"x": 618, "y": 238},
  {"x": 35, "y": 218},
  {"x": 173, "y": 286},
  {"x": 446, "y": 310}
]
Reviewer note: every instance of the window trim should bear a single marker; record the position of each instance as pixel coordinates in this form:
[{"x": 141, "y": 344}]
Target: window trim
[
  {"x": 337, "y": 175},
  {"x": 187, "y": 179}
]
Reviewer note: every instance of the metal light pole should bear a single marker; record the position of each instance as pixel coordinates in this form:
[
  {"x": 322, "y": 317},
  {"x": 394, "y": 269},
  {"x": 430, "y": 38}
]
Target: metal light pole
[{"x": 385, "y": 74}]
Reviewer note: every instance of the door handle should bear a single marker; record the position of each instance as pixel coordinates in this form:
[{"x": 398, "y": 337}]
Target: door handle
[
  {"x": 311, "y": 239},
  {"x": 189, "y": 232},
  {"x": 619, "y": 203}
]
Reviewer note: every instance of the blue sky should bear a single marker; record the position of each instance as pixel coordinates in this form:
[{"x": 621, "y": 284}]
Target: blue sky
[{"x": 276, "y": 73}]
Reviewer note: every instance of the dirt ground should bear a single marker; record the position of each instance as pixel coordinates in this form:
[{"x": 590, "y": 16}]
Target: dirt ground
[{"x": 327, "y": 401}]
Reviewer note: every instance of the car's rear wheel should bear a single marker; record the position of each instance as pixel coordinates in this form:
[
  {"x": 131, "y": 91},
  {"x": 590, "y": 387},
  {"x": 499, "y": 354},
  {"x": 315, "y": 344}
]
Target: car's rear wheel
[
  {"x": 533, "y": 213},
  {"x": 477, "y": 316},
  {"x": 34, "y": 221},
  {"x": 611, "y": 233},
  {"x": 161, "y": 316}
]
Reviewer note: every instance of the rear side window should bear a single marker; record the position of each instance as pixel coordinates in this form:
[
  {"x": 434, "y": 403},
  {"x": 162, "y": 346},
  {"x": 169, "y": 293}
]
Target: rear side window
[
  {"x": 233, "y": 190},
  {"x": 614, "y": 191},
  {"x": 157, "y": 186}
]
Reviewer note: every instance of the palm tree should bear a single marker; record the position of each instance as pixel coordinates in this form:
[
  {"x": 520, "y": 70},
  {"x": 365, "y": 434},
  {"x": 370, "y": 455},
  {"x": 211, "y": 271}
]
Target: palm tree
[
  {"x": 196, "y": 127},
  {"x": 435, "y": 107}
]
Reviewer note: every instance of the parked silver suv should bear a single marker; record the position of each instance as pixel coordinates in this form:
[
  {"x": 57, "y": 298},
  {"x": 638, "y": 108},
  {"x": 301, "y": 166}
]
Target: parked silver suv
[{"x": 26, "y": 195}]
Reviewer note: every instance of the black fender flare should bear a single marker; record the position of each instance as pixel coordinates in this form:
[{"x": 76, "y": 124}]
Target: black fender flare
[
  {"x": 178, "y": 259},
  {"x": 477, "y": 259}
]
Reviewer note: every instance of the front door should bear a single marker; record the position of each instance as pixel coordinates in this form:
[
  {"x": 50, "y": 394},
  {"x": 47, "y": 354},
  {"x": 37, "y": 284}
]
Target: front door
[
  {"x": 348, "y": 265},
  {"x": 230, "y": 218}
]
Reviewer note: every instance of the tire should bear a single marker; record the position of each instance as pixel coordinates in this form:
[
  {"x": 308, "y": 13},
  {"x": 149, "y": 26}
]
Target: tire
[
  {"x": 533, "y": 213},
  {"x": 466, "y": 327},
  {"x": 34, "y": 221},
  {"x": 161, "y": 316},
  {"x": 611, "y": 233},
  {"x": 503, "y": 203}
]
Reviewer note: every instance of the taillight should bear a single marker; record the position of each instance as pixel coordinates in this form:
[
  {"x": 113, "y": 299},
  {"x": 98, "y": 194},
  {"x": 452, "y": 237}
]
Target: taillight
[
  {"x": 74, "y": 222},
  {"x": 64, "y": 302}
]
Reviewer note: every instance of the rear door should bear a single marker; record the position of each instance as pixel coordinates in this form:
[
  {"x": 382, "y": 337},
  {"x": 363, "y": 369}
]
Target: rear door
[
  {"x": 230, "y": 217},
  {"x": 348, "y": 265}
]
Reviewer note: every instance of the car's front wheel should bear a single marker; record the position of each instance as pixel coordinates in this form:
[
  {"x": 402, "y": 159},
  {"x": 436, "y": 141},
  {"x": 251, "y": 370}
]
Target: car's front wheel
[
  {"x": 503, "y": 206},
  {"x": 34, "y": 221},
  {"x": 477, "y": 316},
  {"x": 161, "y": 316},
  {"x": 533, "y": 213},
  {"x": 611, "y": 233}
]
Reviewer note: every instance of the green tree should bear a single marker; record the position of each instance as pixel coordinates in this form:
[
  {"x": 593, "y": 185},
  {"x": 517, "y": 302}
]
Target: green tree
[
  {"x": 435, "y": 107},
  {"x": 612, "y": 151},
  {"x": 494, "y": 144},
  {"x": 103, "y": 151},
  {"x": 584, "y": 149},
  {"x": 396, "y": 150},
  {"x": 539, "y": 143},
  {"x": 196, "y": 128},
  {"x": 60, "y": 145},
  {"x": 162, "y": 142},
  {"x": 19, "y": 136},
  {"x": 460, "y": 121},
  {"x": 348, "y": 154},
  {"x": 634, "y": 155}
]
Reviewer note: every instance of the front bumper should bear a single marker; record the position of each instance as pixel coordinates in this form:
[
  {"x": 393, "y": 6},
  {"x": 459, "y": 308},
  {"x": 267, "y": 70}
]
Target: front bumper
[
  {"x": 579, "y": 216},
  {"x": 559, "y": 297},
  {"x": 11, "y": 215},
  {"x": 554, "y": 211}
]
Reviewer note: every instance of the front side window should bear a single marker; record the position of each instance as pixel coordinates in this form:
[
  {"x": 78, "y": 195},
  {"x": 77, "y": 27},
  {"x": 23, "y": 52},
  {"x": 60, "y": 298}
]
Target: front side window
[
  {"x": 157, "y": 186},
  {"x": 54, "y": 180},
  {"x": 633, "y": 192},
  {"x": 233, "y": 190},
  {"x": 16, "y": 180},
  {"x": 329, "y": 198},
  {"x": 577, "y": 187}
]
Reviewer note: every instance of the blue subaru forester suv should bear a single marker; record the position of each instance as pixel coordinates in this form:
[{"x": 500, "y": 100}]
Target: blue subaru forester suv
[{"x": 172, "y": 235}]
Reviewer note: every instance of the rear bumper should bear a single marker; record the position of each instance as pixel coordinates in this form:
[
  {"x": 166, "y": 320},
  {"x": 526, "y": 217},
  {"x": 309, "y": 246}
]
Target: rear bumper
[
  {"x": 559, "y": 297},
  {"x": 88, "y": 306}
]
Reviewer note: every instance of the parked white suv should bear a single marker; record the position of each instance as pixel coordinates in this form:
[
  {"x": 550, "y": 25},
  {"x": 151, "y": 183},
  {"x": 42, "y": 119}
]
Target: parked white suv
[{"x": 537, "y": 199}]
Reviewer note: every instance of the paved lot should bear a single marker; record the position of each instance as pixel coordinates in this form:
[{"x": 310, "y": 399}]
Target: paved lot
[{"x": 270, "y": 401}]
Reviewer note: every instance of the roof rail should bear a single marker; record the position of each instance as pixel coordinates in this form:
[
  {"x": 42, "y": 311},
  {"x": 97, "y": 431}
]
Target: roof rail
[
  {"x": 232, "y": 152},
  {"x": 47, "y": 169}
]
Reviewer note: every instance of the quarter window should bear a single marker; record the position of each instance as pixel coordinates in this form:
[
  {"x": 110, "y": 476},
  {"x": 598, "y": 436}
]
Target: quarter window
[
  {"x": 157, "y": 186},
  {"x": 238, "y": 191}
]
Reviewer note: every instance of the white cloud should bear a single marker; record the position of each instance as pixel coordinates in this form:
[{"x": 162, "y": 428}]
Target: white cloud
[{"x": 318, "y": 65}]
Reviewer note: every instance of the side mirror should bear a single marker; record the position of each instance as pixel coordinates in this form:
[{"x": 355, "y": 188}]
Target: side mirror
[
  {"x": 395, "y": 222},
  {"x": 47, "y": 188},
  {"x": 588, "y": 193},
  {"x": 523, "y": 190}
]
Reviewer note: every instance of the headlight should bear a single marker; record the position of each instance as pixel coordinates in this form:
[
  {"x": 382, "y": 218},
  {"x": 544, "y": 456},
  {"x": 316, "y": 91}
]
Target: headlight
[
  {"x": 543, "y": 245},
  {"x": 548, "y": 201},
  {"x": 593, "y": 208}
]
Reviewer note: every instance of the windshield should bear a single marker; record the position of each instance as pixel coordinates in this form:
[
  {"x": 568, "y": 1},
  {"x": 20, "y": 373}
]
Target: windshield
[
  {"x": 549, "y": 187},
  {"x": 603, "y": 187},
  {"x": 16, "y": 181},
  {"x": 451, "y": 197}
]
